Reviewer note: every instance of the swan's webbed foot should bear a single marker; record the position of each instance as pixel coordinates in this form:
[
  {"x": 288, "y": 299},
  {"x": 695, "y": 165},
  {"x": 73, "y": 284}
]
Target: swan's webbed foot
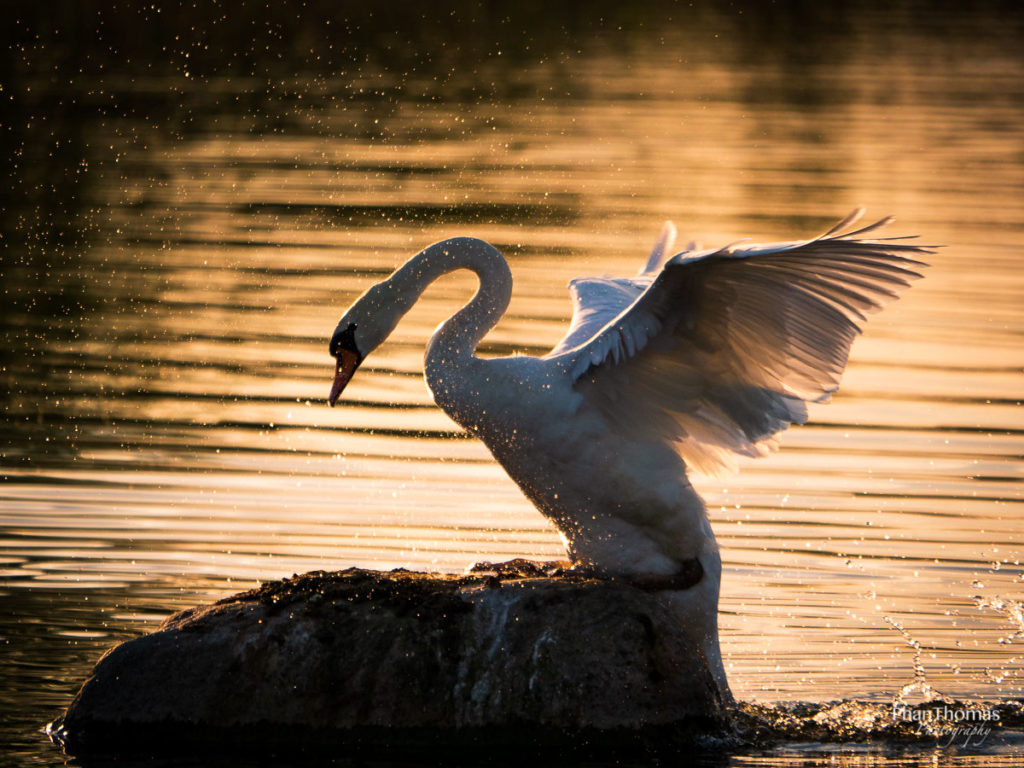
[{"x": 688, "y": 575}]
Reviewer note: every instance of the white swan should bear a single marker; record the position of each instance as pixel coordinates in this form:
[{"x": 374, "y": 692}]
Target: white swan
[{"x": 703, "y": 355}]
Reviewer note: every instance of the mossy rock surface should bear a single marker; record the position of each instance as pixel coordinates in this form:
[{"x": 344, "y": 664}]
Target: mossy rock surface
[{"x": 522, "y": 656}]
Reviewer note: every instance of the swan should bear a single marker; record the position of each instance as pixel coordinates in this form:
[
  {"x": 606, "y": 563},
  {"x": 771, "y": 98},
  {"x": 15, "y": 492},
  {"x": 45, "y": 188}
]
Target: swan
[{"x": 703, "y": 356}]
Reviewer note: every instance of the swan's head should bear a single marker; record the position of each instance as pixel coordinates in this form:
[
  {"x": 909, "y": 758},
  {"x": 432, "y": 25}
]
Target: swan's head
[
  {"x": 345, "y": 350},
  {"x": 362, "y": 329}
]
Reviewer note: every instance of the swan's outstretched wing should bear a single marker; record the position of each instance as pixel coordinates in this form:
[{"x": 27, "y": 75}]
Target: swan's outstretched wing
[
  {"x": 599, "y": 300},
  {"x": 719, "y": 351}
]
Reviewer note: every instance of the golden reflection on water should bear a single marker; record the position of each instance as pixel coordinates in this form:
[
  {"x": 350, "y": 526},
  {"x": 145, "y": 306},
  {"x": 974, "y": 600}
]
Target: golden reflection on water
[{"x": 174, "y": 445}]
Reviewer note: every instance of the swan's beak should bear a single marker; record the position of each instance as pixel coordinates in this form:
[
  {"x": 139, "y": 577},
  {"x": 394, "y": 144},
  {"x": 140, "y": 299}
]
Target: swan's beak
[{"x": 348, "y": 361}]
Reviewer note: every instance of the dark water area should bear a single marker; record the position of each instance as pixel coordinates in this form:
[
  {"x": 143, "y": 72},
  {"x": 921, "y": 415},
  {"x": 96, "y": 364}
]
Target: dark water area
[{"x": 193, "y": 193}]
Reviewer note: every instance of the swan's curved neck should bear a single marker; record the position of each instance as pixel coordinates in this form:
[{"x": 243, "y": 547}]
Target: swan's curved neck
[{"x": 457, "y": 338}]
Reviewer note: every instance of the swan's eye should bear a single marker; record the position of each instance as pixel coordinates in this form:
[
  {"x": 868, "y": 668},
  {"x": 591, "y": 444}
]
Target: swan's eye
[{"x": 345, "y": 339}]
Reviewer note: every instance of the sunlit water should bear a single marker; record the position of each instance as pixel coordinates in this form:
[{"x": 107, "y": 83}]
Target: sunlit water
[{"x": 188, "y": 244}]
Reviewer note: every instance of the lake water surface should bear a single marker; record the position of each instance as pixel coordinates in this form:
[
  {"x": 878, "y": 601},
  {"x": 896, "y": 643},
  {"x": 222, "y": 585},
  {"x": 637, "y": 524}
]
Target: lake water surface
[{"x": 178, "y": 248}]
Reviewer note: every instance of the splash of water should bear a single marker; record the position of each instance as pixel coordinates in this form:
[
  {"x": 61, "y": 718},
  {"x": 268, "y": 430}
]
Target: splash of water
[
  {"x": 1012, "y": 610},
  {"x": 920, "y": 682},
  {"x": 936, "y": 719}
]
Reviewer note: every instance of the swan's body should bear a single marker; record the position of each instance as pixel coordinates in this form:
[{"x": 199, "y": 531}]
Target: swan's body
[{"x": 703, "y": 355}]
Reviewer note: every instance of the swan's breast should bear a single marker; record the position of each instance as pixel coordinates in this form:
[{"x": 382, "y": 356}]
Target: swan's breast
[{"x": 503, "y": 397}]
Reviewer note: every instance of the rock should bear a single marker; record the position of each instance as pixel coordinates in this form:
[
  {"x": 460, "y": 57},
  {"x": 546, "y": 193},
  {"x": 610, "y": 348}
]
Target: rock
[{"x": 521, "y": 656}]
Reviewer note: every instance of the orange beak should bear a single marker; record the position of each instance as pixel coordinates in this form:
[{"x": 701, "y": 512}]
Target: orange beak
[{"x": 348, "y": 361}]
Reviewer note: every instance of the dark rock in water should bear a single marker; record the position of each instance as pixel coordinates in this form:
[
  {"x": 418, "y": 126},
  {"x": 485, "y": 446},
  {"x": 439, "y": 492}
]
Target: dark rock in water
[{"x": 513, "y": 656}]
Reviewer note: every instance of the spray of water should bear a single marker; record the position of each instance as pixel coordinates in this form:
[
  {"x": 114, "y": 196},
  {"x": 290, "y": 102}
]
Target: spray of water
[
  {"x": 1012, "y": 610},
  {"x": 920, "y": 682}
]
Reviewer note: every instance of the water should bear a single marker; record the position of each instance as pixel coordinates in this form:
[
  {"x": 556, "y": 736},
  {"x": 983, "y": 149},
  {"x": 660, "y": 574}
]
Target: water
[{"x": 181, "y": 234}]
